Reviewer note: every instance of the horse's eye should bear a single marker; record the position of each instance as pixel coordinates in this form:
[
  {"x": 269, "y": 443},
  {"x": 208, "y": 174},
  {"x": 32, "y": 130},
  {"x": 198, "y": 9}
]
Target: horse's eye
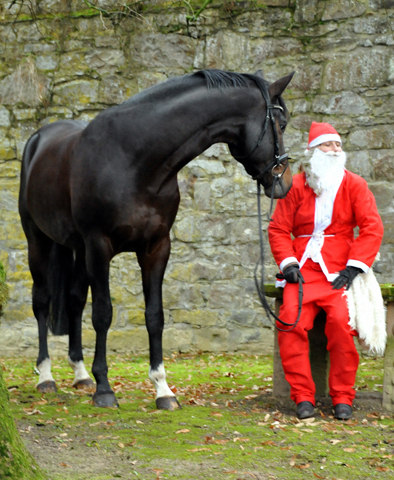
[{"x": 283, "y": 127}]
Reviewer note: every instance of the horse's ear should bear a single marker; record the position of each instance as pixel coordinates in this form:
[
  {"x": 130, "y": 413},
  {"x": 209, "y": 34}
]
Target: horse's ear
[
  {"x": 278, "y": 87},
  {"x": 260, "y": 74}
]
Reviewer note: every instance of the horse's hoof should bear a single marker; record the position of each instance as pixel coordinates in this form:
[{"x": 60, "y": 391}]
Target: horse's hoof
[
  {"x": 49, "y": 386},
  {"x": 167, "y": 403},
  {"x": 105, "y": 399},
  {"x": 84, "y": 384}
]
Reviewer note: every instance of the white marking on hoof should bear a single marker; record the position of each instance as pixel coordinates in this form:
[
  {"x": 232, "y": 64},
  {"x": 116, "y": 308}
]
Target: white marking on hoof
[
  {"x": 158, "y": 378},
  {"x": 80, "y": 372},
  {"x": 44, "y": 369}
]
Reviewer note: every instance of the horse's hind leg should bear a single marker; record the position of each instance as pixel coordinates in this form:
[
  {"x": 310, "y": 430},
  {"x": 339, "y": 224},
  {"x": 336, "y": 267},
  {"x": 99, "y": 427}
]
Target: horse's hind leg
[
  {"x": 77, "y": 299},
  {"x": 153, "y": 263},
  {"x": 39, "y": 248}
]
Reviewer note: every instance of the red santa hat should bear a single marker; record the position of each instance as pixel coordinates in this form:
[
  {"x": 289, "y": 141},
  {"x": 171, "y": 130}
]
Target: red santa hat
[{"x": 322, "y": 132}]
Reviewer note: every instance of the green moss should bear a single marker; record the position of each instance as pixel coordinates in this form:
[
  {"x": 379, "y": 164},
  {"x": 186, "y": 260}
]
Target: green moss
[
  {"x": 15, "y": 462},
  {"x": 3, "y": 289}
]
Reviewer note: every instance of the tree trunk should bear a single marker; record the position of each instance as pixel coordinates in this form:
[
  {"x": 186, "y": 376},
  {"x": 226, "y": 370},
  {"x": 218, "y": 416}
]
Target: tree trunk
[{"x": 16, "y": 463}]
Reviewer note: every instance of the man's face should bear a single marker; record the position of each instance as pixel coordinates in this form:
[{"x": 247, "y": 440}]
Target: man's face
[{"x": 330, "y": 147}]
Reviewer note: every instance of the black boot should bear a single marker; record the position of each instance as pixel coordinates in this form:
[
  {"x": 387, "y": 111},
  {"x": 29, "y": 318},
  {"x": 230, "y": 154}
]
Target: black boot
[
  {"x": 305, "y": 410},
  {"x": 342, "y": 411}
]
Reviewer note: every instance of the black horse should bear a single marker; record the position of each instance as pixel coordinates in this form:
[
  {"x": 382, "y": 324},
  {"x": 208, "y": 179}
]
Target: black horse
[{"x": 91, "y": 191}]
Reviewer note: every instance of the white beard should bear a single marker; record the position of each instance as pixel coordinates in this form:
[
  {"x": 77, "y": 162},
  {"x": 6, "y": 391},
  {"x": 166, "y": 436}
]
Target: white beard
[{"x": 323, "y": 170}]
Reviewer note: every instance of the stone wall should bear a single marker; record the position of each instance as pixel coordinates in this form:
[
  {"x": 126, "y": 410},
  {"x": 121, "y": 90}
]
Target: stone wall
[{"x": 71, "y": 62}]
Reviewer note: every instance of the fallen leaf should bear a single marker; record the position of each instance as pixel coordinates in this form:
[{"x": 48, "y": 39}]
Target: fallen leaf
[
  {"x": 200, "y": 449},
  {"x": 349, "y": 450},
  {"x": 183, "y": 430},
  {"x": 317, "y": 476},
  {"x": 335, "y": 442},
  {"x": 32, "y": 411},
  {"x": 382, "y": 469},
  {"x": 121, "y": 445}
]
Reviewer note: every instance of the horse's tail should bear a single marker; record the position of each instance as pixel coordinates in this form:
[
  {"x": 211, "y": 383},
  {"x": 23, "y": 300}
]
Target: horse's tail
[{"x": 59, "y": 278}]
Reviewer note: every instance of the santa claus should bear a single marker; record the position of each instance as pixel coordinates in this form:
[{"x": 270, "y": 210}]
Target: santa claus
[{"x": 312, "y": 238}]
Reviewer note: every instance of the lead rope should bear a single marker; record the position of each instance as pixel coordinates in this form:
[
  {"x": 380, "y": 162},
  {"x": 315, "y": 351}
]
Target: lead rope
[{"x": 260, "y": 285}]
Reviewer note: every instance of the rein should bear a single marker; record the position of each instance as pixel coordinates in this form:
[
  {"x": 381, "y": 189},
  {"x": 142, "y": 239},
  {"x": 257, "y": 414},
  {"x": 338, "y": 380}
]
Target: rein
[
  {"x": 277, "y": 169},
  {"x": 260, "y": 285}
]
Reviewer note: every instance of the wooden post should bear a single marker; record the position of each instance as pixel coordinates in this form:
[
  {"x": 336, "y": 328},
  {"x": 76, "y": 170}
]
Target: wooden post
[
  {"x": 280, "y": 386},
  {"x": 388, "y": 379}
]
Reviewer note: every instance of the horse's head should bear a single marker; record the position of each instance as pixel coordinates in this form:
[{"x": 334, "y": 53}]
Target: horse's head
[{"x": 261, "y": 149}]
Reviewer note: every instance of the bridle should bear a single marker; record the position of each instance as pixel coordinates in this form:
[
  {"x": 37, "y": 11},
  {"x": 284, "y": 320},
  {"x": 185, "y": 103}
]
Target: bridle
[{"x": 277, "y": 168}]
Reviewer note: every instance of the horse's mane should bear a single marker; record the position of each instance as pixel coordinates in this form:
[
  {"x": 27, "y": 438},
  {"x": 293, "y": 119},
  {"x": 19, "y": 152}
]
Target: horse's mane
[
  {"x": 221, "y": 79},
  {"x": 214, "y": 78}
]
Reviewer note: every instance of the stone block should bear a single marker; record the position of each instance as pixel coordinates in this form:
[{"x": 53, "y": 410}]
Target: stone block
[
  {"x": 200, "y": 318},
  {"x": 383, "y": 164},
  {"x": 4, "y": 117},
  {"x": 188, "y": 229},
  {"x": 211, "y": 339},
  {"x": 173, "y": 52},
  {"x": 226, "y": 296},
  {"x": 81, "y": 93},
  {"x": 359, "y": 162},
  {"x": 369, "y": 68},
  {"x": 105, "y": 61},
  {"x": 307, "y": 11},
  {"x": 226, "y": 50},
  {"x": 381, "y": 137},
  {"x": 114, "y": 89},
  {"x": 334, "y": 10},
  {"x": 344, "y": 103},
  {"x": 202, "y": 195},
  {"x": 134, "y": 342},
  {"x": 336, "y": 76},
  {"x": 178, "y": 340},
  {"x": 307, "y": 80},
  {"x": 47, "y": 62}
]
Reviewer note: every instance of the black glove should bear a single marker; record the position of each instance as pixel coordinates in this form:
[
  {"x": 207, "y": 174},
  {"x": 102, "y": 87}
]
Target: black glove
[
  {"x": 346, "y": 277},
  {"x": 292, "y": 274}
]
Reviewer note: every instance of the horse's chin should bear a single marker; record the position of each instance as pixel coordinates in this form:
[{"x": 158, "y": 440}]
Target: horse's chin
[{"x": 281, "y": 189}]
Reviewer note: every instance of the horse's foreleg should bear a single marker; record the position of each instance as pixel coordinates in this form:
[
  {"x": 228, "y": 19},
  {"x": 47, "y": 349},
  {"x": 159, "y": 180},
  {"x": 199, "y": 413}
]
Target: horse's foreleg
[
  {"x": 77, "y": 300},
  {"x": 97, "y": 263},
  {"x": 153, "y": 266}
]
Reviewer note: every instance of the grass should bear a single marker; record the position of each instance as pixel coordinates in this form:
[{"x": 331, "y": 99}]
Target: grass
[{"x": 229, "y": 427}]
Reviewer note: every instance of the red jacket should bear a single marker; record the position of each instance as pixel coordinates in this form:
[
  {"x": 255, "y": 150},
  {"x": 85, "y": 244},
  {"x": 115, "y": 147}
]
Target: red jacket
[{"x": 354, "y": 206}]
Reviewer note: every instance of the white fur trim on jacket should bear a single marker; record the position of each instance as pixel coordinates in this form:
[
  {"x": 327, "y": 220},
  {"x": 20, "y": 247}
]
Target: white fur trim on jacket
[{"x": 367, "y": 312}]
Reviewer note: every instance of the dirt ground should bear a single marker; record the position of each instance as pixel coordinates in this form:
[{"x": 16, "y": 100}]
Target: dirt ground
[{"x": 78, "y": 454}]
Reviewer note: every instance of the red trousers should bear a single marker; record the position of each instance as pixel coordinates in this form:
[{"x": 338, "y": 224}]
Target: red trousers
[{"x": 294, "y": 344}]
